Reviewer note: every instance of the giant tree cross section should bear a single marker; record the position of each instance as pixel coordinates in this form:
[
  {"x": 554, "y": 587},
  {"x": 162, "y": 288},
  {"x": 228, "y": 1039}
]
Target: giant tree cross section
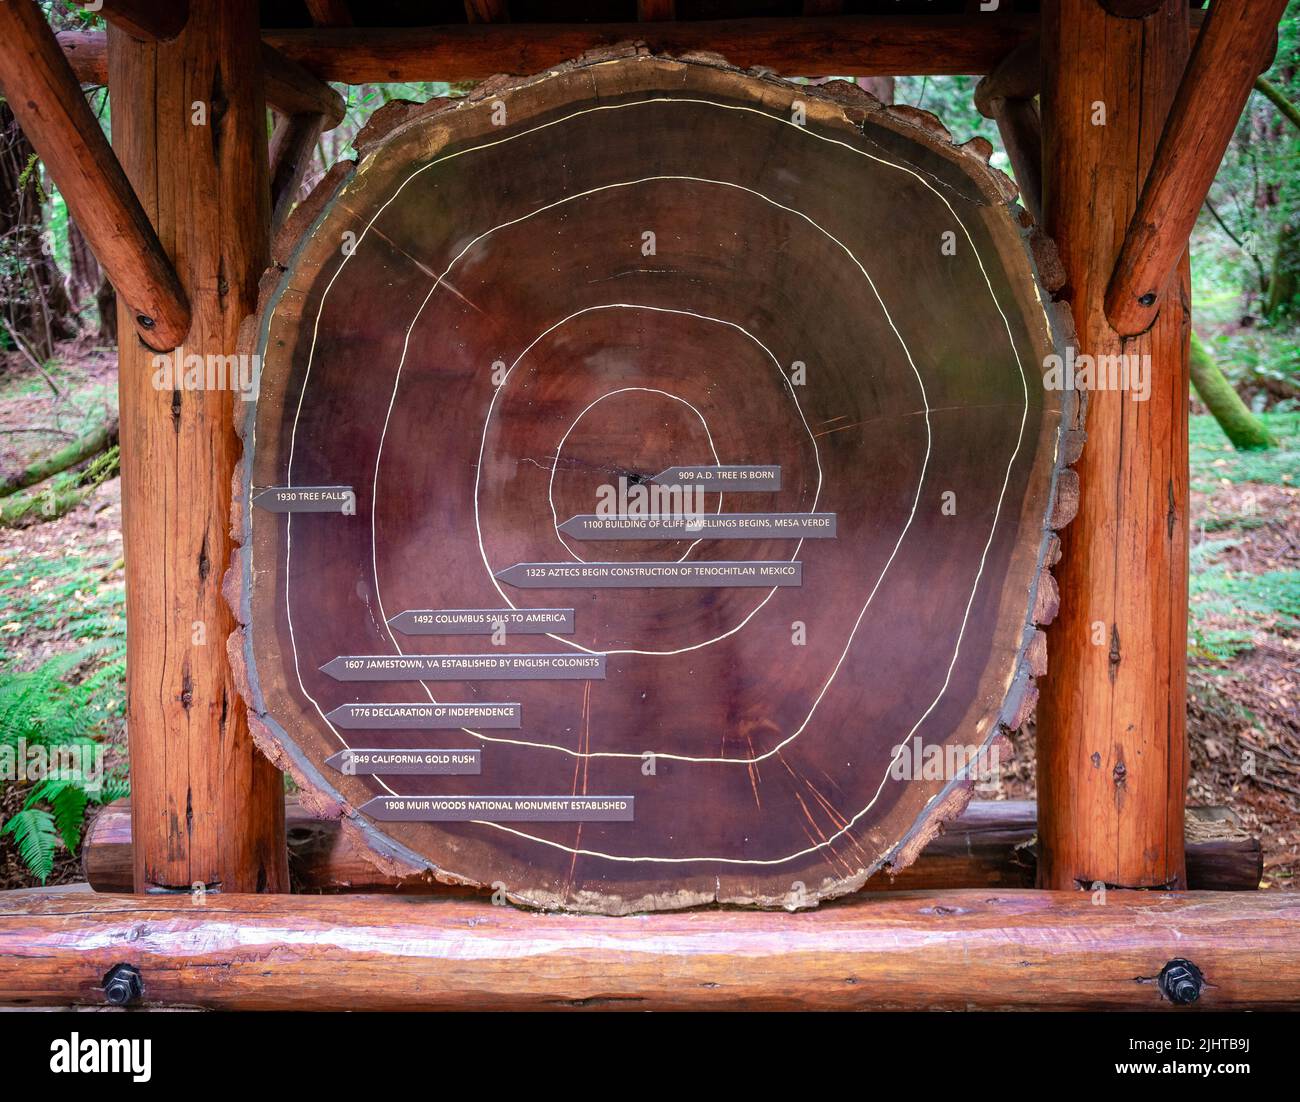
[{"x": 652, "y": 464}]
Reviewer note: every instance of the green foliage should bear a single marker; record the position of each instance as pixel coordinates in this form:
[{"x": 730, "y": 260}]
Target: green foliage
[
  {"x": 60, "y": 493},
  {"x": 72, "y": 15},
  {"x": 60, "y": 597},
  {"x": 37, "y": 839},
  {"x": 1213, "y": 458},
  {"x": 1256, "y": 193},
  {"x": 53, "y": 710},
  {"x": 1263, "y": 601},
  {"x": 362, "y": 100},
  {"x": 68, "y": 705}
]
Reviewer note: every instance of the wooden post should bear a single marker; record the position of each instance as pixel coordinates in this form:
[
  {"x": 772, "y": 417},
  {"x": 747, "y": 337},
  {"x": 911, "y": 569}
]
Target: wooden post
[
  {"x": 1111, "y": 717},
  {"x": 189, "y": 124}
]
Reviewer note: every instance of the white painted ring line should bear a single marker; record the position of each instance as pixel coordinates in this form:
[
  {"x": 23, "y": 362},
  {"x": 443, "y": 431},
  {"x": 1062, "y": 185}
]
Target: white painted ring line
[{"x": 1019, "y": 442}]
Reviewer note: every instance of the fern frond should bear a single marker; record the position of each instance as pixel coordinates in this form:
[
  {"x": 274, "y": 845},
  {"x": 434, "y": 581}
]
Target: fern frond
[
  {"x": 37, "y": 837},
  {"x": 68, "y": 798}
]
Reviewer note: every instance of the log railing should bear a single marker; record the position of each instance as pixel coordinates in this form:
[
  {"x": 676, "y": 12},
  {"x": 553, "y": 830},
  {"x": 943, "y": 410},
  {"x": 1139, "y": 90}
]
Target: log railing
[
  {"x": 945, "y": 950},
  {"x": 991, "y": 845}
]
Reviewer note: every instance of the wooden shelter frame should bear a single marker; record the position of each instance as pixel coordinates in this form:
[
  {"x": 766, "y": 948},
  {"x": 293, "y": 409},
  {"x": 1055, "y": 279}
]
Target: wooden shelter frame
[{"x": 182, "y": 218}]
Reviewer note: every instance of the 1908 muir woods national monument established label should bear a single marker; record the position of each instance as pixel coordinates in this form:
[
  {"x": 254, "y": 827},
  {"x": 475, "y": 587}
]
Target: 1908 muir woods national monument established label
[{"x": 663, "y": 460}]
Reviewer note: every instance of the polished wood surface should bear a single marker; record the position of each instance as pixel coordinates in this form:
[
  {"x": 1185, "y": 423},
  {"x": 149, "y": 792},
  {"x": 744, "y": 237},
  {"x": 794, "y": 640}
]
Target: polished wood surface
[
  {"x": 921, "y": 421},
  {"x": 956, "y": 950}
]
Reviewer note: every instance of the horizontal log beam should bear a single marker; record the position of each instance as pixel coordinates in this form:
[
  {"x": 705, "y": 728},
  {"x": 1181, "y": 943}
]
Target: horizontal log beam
[
  {"x": 290, "y": 88},
  {"x": 935, "y": 950},
  {"x": 828, "y": 46},
  {"x": 812, "y": 46},
  {"x": 831, "y": 46},
  {"x": 990, "y": 846},
  {"x": 49, "y": 106},
  {"x": 1229, "y": 52}
]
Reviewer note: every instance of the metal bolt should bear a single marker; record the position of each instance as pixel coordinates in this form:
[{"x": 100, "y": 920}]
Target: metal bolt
[
  {"x": 145, "y": 320},
  {"x": 1149, "y": 299},
  {"x": 1181, "y": 981},
  {"x": 123, "y": 985}
]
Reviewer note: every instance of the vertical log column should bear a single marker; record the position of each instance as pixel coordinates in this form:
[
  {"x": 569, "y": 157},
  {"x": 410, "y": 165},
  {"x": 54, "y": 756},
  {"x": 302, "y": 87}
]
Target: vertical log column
[
  {"x": 1112, "y": 714},
  {"x": 189, "y": 125}
]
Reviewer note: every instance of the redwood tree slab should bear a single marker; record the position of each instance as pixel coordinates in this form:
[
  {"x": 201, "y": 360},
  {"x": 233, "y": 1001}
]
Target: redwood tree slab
[{"x": 624, "y": 266}]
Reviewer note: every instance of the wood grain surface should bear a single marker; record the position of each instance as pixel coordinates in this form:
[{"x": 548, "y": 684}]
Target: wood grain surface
[
  {"x": 954, "y": 950},
  {"x": 470, "y": 330}
]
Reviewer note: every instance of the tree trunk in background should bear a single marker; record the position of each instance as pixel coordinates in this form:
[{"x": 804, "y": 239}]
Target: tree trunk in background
[
  {"x": 83, "y": 268},
  {"x": 35, "y": 302},
  {"x": 1246, "y": 431},
  {"x": 1284, "y": 283},
  {"x": 87, "y": 280}
]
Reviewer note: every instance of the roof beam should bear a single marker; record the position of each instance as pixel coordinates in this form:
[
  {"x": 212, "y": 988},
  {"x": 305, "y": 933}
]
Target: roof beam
[
  {"x": 812, "y": 46},
  {"x": 889, "y": 45},
  {"x": 50, "y": 107},
  {"x": 1229, "y": 52}
]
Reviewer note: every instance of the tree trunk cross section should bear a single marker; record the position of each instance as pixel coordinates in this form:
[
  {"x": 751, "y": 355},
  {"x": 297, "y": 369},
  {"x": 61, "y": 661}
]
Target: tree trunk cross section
[{"x": 628, "y": 265}]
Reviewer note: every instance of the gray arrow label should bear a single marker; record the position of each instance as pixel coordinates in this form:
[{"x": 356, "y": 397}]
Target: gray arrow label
[
  {"x": 501, "y": 809},
  {"x": 424, "y": 716},
  {"x": 729, "y": 478},
  {"x": 466, "y": 667},
  {"x": 651, "y": 575},
  {"x": 306, "y": 499},
  {"x": 721, "y": 526},
  {"x": 424, "y": 762},
  {"x": 484, "y": 621}
]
